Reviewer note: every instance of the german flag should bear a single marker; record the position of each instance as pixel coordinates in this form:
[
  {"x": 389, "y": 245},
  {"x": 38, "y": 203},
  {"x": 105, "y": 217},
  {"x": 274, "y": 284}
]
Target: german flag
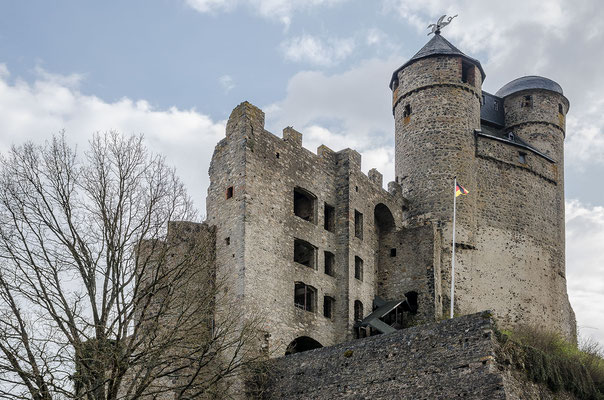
[{"x": 459, "y": 190}]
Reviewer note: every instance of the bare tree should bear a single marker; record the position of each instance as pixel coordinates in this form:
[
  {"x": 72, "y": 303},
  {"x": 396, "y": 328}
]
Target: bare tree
[{"x": 101, "y": 296}]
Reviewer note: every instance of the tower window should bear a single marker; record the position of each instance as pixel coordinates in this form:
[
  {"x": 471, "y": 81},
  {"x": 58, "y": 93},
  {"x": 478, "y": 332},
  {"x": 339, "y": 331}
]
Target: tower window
[
  {"x": 305, "y": 253},
  {"x": 304, "y": 204},
  {"x": 392, "y": 252},
  {"x": 511, "y": 136},
  {"x": 229, "y": 192},
  {"x": 358, "y": 310},
  {"x": 496, "y": 105},
  {"x": 467, "y": 73},
  {"x": 227, "y": 241},
  {"x": 358, "y": 268},
  {"x": 305, "y": 297},
  {"x": 560, "y": 109},
  {"x": 330, "y": 214},
  {"x": 358, "y": 224},
  {"x": 330, "y": 260},
  {"x": 527, "y": 101},
  {"x": 407, "y": 111},
  {"x": 521, "y": 157},
  {"x": 328, "y": 303}
]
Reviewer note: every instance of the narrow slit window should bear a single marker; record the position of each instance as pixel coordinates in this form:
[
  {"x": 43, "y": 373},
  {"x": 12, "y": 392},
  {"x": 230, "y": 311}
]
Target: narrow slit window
[
  {"x": 305, "y": 296},
  {"x": 305, "y": 253},
  {"x": 358, "y": 224},
  {"x": 328, "y": 303},
  {"x": 304, "y": 204},
  {"x": 467, "y": 73},
  {"x": 330, "y": 215},
  {"x": 560, "y": 109},
  {"x": 407, "y": 111},
  {"x": 229, "y": 192},
  {"x": 227, "y": 241},
  {"x": 527, "y": 101},
  {"x": 392, "y": 252},
  {"x": 521, "y": 157},
  {"x": 330, "y": 260},
  {"x": 358, "y": 268}
]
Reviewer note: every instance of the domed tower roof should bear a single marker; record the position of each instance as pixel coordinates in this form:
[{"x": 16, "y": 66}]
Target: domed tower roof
[
  {"x": 529, "y": 82},
  {"x": 437, "y": 46}
]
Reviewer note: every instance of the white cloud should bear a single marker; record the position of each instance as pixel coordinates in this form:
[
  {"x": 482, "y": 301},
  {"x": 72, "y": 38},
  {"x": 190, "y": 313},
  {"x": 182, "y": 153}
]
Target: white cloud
[
  {"x": 279, "y": 10},
  {"x": 585, "y": 266},
  {"x": 36, "y": 111},
  {"x": 227, "y": 83},
  {"x": 310, "y": 49}
]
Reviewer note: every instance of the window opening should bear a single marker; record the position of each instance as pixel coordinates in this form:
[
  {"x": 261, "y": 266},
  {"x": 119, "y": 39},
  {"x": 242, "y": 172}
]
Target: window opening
[
  {"x": 521, "y": 157},
  {"x": 302, "y": 343},
  {"x": 358, "y": 268},
  {"x": 229, "y": 192},
  {"x": 277, "y": 155},
  {"x": 392, "y": 252},
  {"x": 358, "y": 310},
  {"x": 330, "y": 214},
  {"x": 496, "y": 105},
  {"x": 227, "y": 241},
  {"x": 328, "y": 306},
  {"x": 411, "y": 303},
  {"x": 304, "y": 204},
  {"x": 407, "y": 111},
  {"x": 527, "y": 101},
  {"x": 467, "y": 73},
  {"x": 511, "y": 136},
  {"x": 560, "y": 109},
  {"x": 358, "y": 224},
  {"x": 305, "y": 253},
  {"x": 305, "y": 296},
  {"x": 329, "y": 263}
]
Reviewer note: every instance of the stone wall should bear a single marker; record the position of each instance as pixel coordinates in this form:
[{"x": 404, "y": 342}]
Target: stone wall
[{"x": 454, "y": 358}]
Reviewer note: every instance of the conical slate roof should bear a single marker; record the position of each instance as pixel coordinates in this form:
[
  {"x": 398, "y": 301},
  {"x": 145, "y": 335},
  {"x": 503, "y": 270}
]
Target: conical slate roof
[{"x": 438, "y": 45}]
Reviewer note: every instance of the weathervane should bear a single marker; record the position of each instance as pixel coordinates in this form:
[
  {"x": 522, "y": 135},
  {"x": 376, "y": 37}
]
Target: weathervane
[{"x": 440, "y": 24}]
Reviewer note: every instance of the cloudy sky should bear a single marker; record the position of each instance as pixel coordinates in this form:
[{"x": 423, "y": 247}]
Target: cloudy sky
[{"x": 174, "y": 69}]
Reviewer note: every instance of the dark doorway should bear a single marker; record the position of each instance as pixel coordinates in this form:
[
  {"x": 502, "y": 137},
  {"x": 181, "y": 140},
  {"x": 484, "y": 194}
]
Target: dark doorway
[{"x": 302, "y": 343}]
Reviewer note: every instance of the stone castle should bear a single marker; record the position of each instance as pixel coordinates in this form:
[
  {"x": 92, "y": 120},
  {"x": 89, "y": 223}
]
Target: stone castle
[{"x": 326, "y": 254}]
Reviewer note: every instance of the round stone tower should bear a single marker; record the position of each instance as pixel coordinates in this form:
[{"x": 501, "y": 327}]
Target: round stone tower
[{"x": 436, "y": 106}]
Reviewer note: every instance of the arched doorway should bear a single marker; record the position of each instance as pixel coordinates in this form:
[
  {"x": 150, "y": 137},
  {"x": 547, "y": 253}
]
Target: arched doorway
[{"x": 302, "y": 343}]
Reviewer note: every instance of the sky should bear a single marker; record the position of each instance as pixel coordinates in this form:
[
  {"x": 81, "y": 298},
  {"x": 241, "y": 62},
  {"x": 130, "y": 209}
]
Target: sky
[{"x": 174, "y": 69}]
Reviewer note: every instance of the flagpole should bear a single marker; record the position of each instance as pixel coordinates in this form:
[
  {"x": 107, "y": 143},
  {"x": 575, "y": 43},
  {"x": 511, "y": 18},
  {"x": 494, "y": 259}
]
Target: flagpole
[{"x": 453, "y": 247}]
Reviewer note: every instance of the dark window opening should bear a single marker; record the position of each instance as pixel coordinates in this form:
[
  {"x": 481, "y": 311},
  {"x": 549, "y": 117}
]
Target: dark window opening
[
  {"x": 495, "y": 105},
  {"x": 356, "y": 189},
  {"x": 305, "y": 297},
  {"x": 527, "y": 101},
  {"x": 330, "y": 260},
  {"x": 467, "y": 73},
  {"x": 521, "y": 157},
  {"x": 560, "y": 109},
  {"x": 328, "y": 306},
  {"x": 304, "y": 204},
  {"x": 358, "y": 224},
  {"x": 303, "y": 343},
  {"x": 277, "y": 155},
  {"x": 305, "y": 253},
  {"x": 358, "y": 310},
  {"x": 392, "y": 252},
  {"x": 229, "y": 192},
  {"x": 227, "y": 241},
  {"x": 410, "y": 303},
  {"x": 511, "y": 136},
  {"x": 407, "y": 111},
  {"x": 330, "y": 216},
  {"x": 358, "y": 268}
]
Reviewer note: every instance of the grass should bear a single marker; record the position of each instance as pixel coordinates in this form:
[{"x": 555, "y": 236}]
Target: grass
[{"x": 547, "y": 358}]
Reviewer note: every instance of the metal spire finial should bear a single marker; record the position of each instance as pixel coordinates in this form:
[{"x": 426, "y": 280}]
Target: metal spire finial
[{"x": 441, "y": 23}]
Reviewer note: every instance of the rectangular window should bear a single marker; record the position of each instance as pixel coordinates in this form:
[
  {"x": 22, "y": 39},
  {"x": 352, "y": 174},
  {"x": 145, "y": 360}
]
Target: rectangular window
[
  {"x": 330, "y": 215},
  {"x": 467, "y": 73},
  {"x": 304, "y": 204},
  {"x": 358, "y": 268},
  {"x": 392, "y": 252},
  {"x": 229, "y": 192},
  {"x": 305, "y": 296},
  {"x": 328, "y": 303},
  {"x": 227, "y": 241},
  {"x": 358, "y": 224},
  {"x": 527, "y": 101},
  {"x": 305, "y": 253},
  {"x": 330, "y": 260}
]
